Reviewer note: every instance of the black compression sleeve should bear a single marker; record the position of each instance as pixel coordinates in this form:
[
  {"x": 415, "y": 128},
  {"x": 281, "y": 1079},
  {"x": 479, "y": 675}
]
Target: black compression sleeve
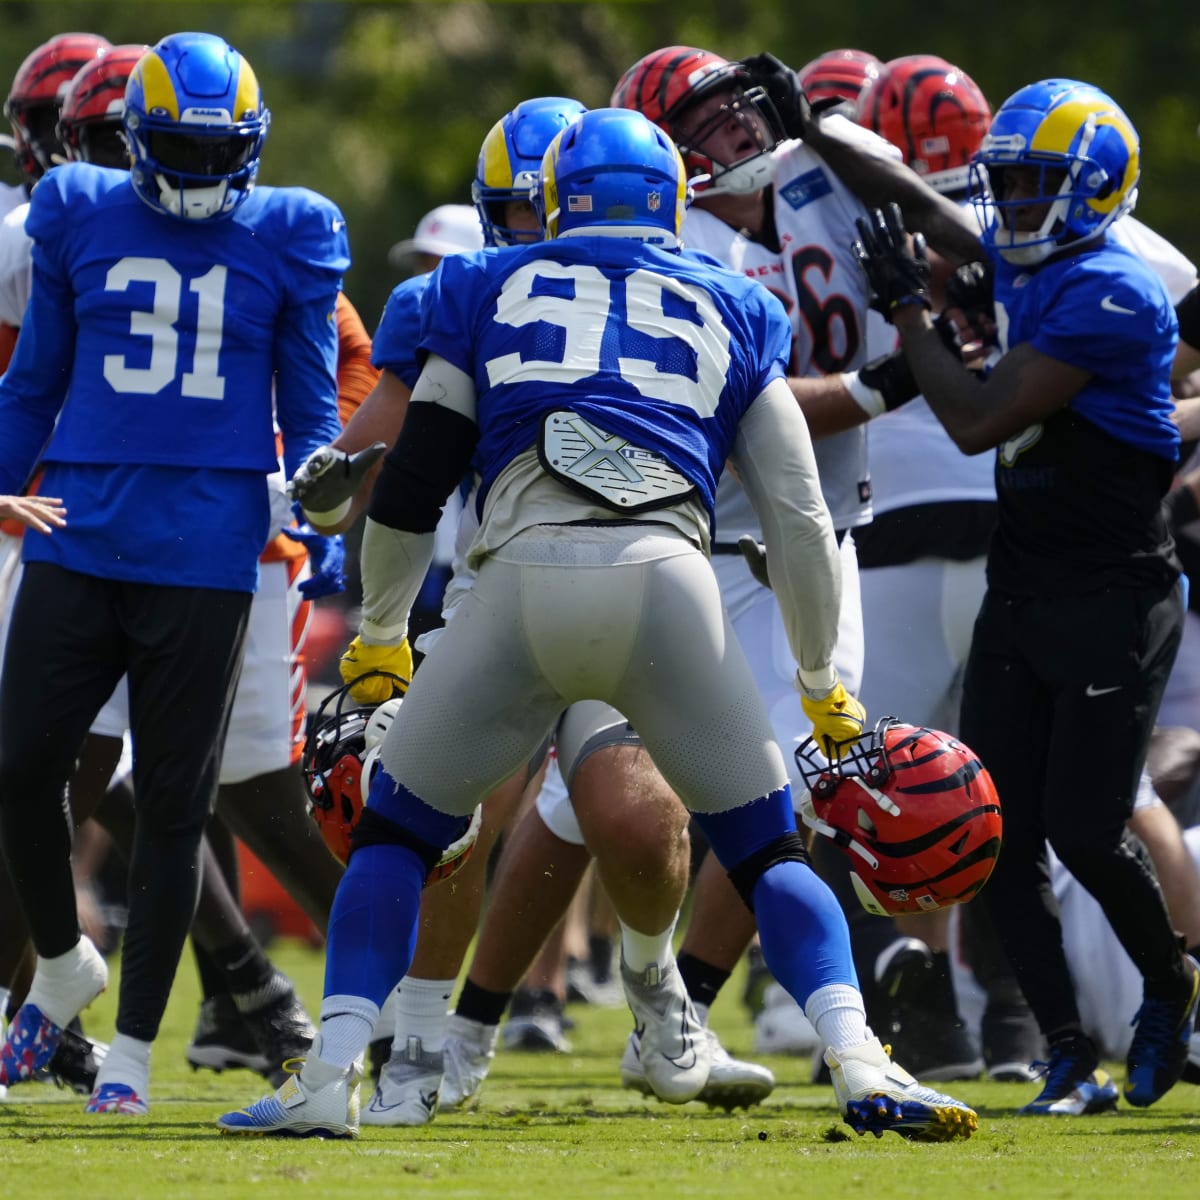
[
  {"x": 1188, "y": 312},
  {"x": 428, "y": 461}
]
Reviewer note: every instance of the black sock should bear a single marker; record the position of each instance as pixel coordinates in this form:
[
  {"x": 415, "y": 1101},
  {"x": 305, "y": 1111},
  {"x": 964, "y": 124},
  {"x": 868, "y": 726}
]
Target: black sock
[
  {"x": 479, "y": 1004},
  {"x": 600, "y": 957},
  {"x": 702, "y": 980}
]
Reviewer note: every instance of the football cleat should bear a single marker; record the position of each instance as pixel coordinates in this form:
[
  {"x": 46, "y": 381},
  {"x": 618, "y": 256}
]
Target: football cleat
[
  {"x": 76, "y": 1061},
  {"x": 29, "y": 1046},
  {"x": 468, "y": 1053},
  {"x": 535, "y": 1022},
  {"x": 1075, "y": 1085},
  {"x": 672, "y": 1044},
  {"x": 117, "y": 1098},
  {"x": 282, "y": 1030},
  {"x": 222, "y": 1040},
  {"x": 320, "y": 1101},
  {"x": 1161, "y": 1041},
  {"x": 407, "y": 1093},
  {"x": 781, "y": 1026},
  {"x": 878, "y": 1096},
  {"x": 731, "y": 1082}
]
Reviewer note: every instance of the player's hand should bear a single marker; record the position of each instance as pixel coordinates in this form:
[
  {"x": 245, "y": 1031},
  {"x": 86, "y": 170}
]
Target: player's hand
[
  {"x": 898, "y": 274},
  {"x": 892, "y": 378},
  {"x": 328, "y": 478},
  {"x": 326, "y": 558},
  {"x": 43, "y": 513},
  {"x": 783, "y": 89},
  {"x": 836, "y": 718},
  {"x": 755, "y": 554},
  {"x": 361, "y": 658}
]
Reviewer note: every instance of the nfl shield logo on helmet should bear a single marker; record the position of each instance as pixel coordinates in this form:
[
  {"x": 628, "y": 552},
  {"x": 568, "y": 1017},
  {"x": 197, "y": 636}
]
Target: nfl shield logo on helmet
[{"x": 652, "y": 201}]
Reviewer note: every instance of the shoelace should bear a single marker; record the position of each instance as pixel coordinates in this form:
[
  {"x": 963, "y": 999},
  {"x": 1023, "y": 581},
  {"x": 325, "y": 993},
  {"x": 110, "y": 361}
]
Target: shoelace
[
  {"x": 1060, "y": 1072},
  {"x": 293, "y": 1066}
]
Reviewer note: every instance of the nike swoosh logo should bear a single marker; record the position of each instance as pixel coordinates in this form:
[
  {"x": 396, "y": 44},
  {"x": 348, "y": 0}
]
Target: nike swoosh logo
[
  {"x": 1110, "y": 305},
  {"x": 1093, "y": 690}
]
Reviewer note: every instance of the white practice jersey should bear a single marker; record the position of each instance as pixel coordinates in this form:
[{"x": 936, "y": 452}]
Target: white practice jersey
[
  {"x": 11, "y": 194},
  {"x": 825, "y": 293},
  {"x": 1173, "y": 267},
  {"x": 16, "y": 265}
]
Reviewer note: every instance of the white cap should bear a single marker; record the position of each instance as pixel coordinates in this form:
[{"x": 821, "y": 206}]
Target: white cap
[{"x": 447, "y": 229}]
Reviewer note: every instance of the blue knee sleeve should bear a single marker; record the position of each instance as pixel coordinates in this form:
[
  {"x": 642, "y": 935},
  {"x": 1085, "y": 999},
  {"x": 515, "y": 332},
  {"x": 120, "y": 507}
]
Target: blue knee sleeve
[
  {"x": 393, "y": 801},
  {"x": 373, "y": 924},
  {"x": 804, "y": 935},
  {"x": 737, "y": 833}
]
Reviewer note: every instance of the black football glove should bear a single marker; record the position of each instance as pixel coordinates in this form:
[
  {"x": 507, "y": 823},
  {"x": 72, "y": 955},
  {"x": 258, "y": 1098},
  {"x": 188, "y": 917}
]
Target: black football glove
[
  {"x": 899, "y": 276},
  {"x": 970, "y": 290},
  {"x": 783, "y": 89},
  {"x": 892, "y": 378}
]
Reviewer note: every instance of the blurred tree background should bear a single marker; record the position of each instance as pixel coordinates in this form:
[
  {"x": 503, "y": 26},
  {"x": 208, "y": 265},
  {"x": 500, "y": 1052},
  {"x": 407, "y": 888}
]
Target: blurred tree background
[{"x": 382, "y": 106}]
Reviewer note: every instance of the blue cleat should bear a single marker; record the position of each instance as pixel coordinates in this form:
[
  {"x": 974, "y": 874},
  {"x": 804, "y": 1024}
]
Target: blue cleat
[
  {"x": 30, "y": 1045},
  {"x": 321, "y": 1101},
  {"x": 1075, "y": 1086},
  {"x": 1161, "y": 1040},
  {"x": 878, "y": 1096}
]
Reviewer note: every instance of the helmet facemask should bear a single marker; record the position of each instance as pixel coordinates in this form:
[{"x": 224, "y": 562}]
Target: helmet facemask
[{"x": 752, "y": 111}]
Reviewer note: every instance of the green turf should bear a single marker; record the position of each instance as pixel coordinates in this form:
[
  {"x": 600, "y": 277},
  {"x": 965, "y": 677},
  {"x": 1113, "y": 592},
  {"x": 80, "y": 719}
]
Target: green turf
[{"x": 560, "y": 1127}]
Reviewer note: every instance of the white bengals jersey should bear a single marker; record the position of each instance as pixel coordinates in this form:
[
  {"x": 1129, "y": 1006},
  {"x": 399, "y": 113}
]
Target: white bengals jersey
[
  {"x": 16, "y": 265},
  {"x": 825, "y": 293},
  {"x": 12, "y": 194}
]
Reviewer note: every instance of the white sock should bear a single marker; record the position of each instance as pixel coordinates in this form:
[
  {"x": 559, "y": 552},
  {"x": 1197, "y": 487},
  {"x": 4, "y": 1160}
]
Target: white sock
[
  {"x": 347, "y": 1023},
  {"x": 385, "y": 1027},
  {"x": 127, "y": 1062},
  {"x": 422, "y": 1010},
  {"x": 838, "y": 1015},
  {"x": 639, "y": 950},
  {"x": 63, "y": 986}
]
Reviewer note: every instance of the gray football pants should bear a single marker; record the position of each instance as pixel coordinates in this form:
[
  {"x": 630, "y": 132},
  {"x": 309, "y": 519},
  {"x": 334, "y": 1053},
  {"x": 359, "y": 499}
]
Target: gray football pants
[{"x": 629, "y": 614}]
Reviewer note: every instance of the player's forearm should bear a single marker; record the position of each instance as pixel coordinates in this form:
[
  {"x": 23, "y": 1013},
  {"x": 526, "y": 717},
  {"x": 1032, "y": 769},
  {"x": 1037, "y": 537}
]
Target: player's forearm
[
  {"x": 877, "y": 179},
  {"x": 394, "y": 563}
]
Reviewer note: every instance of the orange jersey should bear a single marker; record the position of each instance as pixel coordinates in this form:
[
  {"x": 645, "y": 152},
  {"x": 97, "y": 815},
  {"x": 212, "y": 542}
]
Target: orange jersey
[{"x": 355, "y": 378}]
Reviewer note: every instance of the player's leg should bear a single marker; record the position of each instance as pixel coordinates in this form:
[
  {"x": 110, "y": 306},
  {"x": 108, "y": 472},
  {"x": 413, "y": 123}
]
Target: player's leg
[
  {"x": 184, "y": 658},
  {"x": 458, "y": 735},
  {"x": 64, "y": 656},
  {"x": 691, "y": 693}
]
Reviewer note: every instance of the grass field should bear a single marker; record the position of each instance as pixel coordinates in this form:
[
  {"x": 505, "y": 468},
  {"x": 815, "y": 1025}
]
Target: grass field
[{"x": 560, "y": 1127}]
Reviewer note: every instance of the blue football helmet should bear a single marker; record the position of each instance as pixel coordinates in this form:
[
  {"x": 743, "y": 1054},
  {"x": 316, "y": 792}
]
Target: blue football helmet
[
  {"x": 1086, "y": 151},
  {"x": 195, "y": 123},
  {"x": 510, "y": 158},
  {"x": 613, "y": 170}
]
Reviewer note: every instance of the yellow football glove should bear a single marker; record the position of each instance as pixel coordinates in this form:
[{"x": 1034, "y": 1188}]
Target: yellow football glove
[
  {"x": 361, "y": 659},
  {"x": 838, "y": 718}
]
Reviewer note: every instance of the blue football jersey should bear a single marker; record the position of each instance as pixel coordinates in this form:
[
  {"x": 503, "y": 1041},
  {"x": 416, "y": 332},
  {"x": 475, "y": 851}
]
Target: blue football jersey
[
  {"x": 1080, "y": 492},
  {"x": 665, "y": 350},
  {"x": 154, "y": 360},
  {"x": 394, "y": 347},
  {"x": 1107, "y": 312}
]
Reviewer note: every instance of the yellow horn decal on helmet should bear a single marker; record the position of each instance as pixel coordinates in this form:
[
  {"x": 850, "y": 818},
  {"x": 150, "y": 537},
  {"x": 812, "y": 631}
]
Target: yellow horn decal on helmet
[
  {"x": 497, "y": 167},
  {"x": 550, "y": 184},
  {"x": 248, "y": 93},
  {"x": 1059, "y": 130},
  {"x": 158, "y": 92},
  {"x": 681, "y": 190}
]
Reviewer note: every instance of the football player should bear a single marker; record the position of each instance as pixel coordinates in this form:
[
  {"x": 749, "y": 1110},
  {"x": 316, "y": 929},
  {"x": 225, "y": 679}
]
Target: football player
[
  {"x": 235, "y": 289},
  {"x": 598, "y": 459},
  {"x": 1079, "y": 627}
]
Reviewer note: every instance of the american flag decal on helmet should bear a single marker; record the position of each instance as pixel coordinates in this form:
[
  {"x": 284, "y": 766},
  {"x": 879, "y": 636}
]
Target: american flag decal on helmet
[{"x": 579, "y": 204}]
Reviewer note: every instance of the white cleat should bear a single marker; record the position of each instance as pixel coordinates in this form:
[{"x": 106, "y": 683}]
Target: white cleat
[
  {"x": 467, "y": 1056},
  {"x": 320, "y": 1102},
  {"x": 671, "y": 1046},
  {"x": 407, "y": 1093},
  {"x": 731, "y": 1082},
  {"x": 782, "y": 1027},
  {"x": 875, "y": 1095}
]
